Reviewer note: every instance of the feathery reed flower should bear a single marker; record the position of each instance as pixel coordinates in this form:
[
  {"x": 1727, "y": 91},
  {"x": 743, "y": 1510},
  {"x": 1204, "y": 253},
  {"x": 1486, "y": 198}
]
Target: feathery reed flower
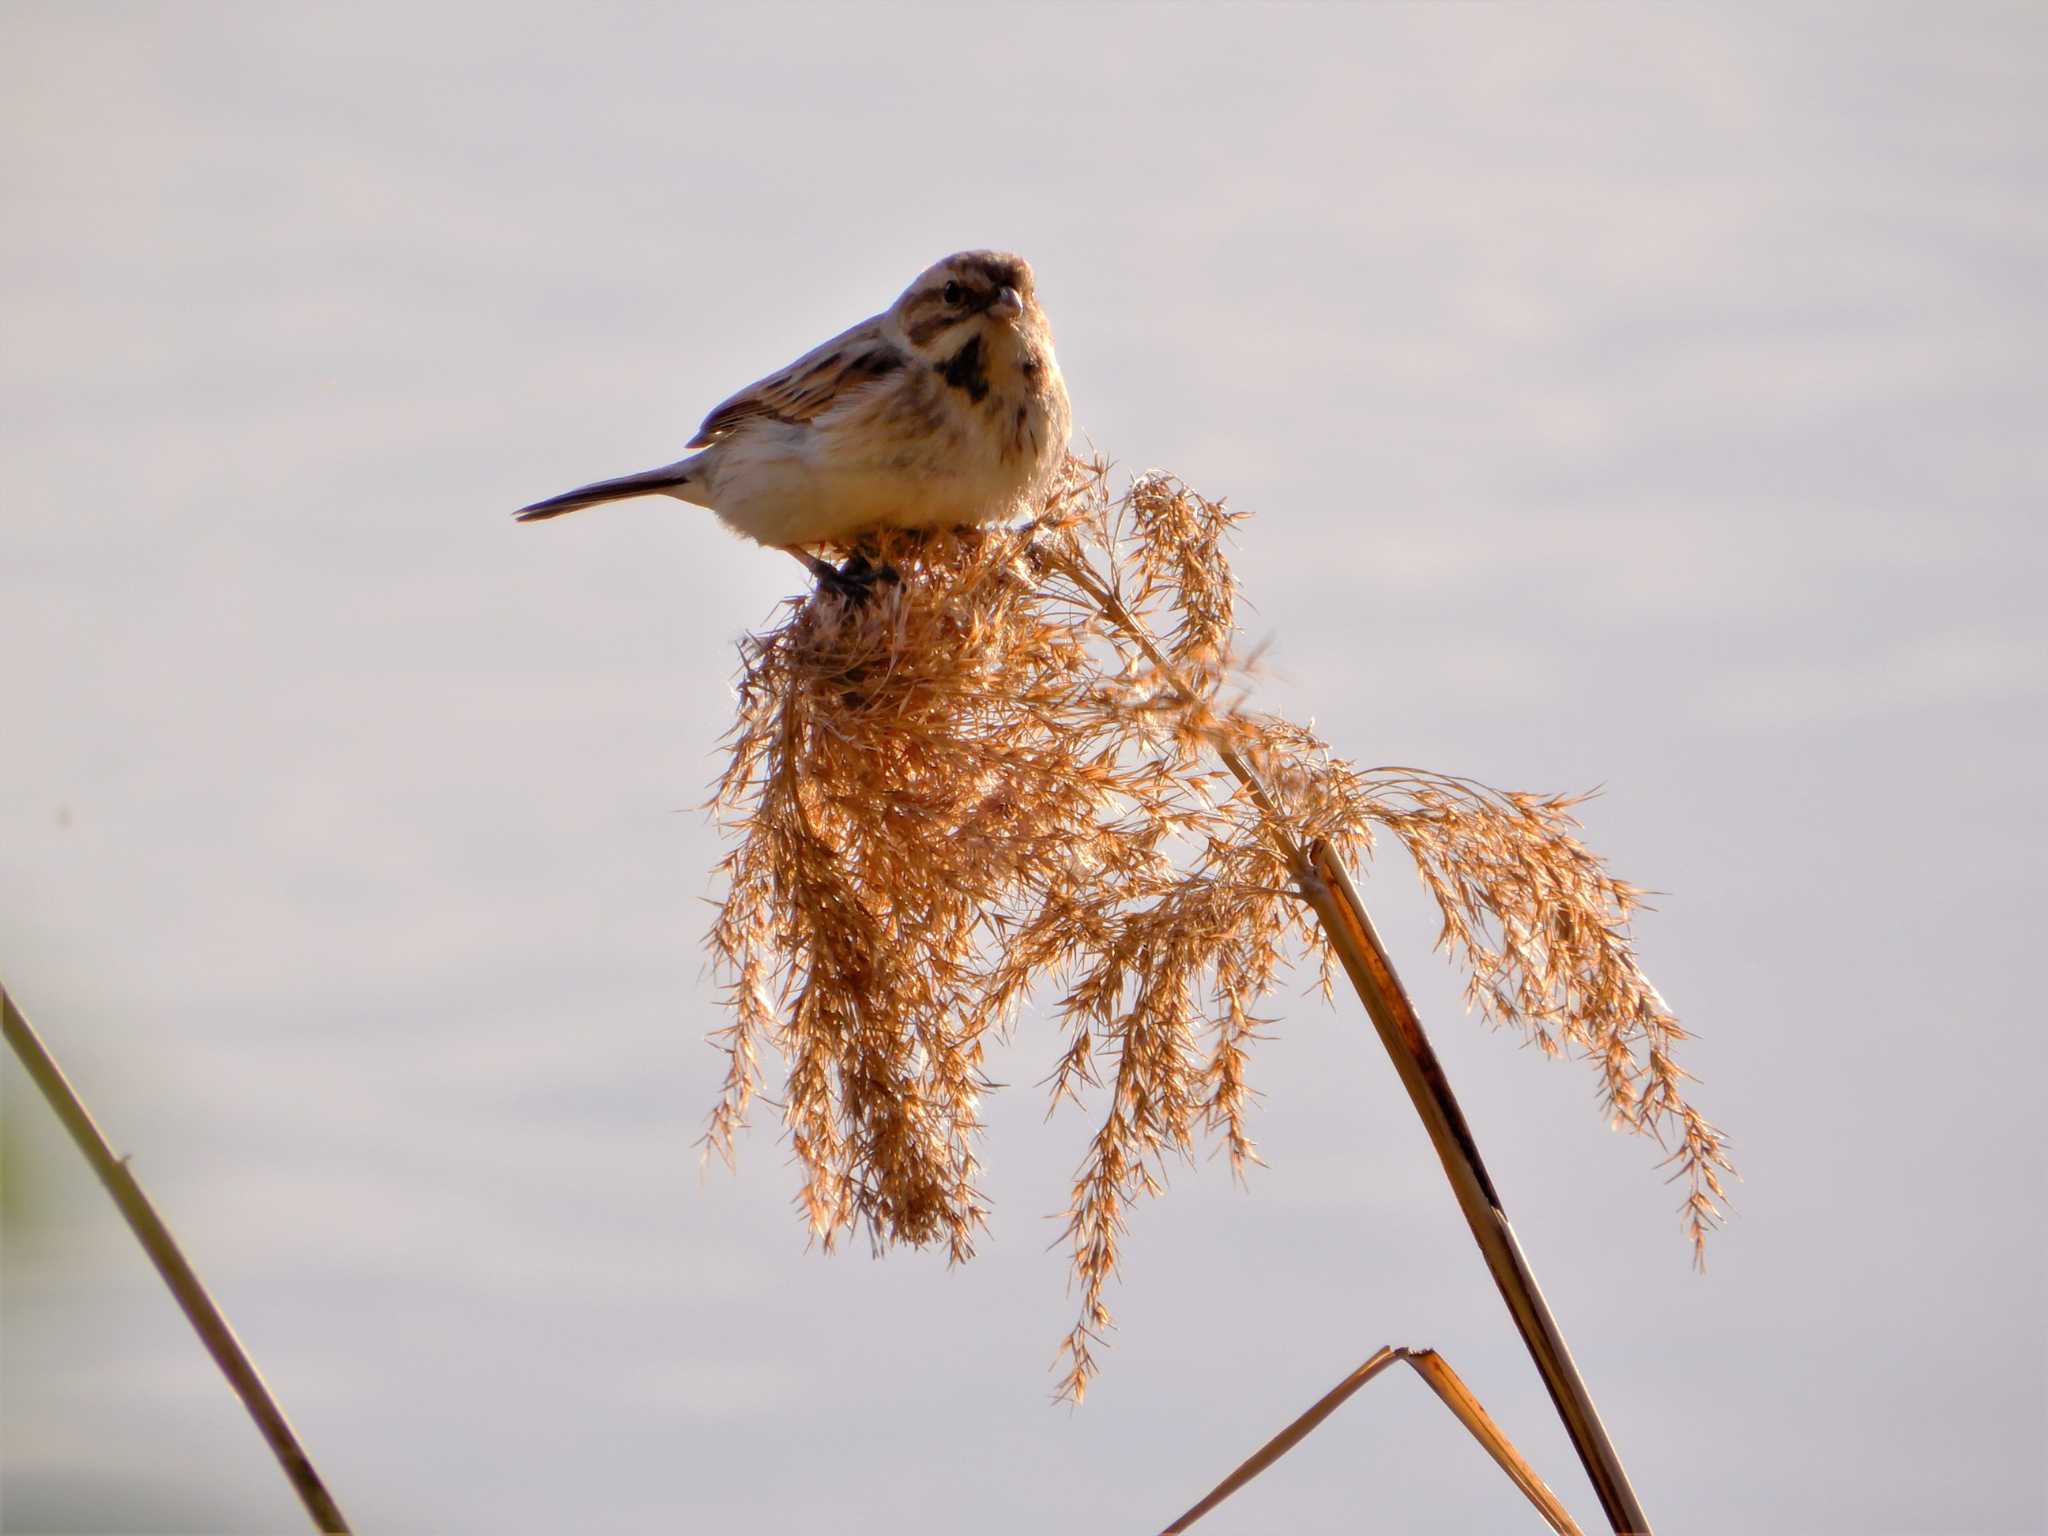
[{"x": 996, "y": 777}]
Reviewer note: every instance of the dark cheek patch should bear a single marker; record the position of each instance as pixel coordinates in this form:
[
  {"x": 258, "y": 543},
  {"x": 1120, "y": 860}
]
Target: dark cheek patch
[{"x": 965, "y": 370}]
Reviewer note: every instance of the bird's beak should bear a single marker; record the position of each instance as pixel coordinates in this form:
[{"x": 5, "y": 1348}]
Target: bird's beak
[{"x": 1008, "y": 305}]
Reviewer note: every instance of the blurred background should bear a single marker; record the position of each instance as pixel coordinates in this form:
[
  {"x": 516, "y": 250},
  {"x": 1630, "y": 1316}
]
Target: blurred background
[{"x": 1638, "y": 396}]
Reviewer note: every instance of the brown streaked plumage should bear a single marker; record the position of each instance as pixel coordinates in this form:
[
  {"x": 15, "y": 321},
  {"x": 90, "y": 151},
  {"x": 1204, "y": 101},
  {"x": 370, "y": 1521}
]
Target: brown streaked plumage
[{"x": 948, "y": 409}]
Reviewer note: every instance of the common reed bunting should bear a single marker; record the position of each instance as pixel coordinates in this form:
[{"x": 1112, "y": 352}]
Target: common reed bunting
[{"x": 947, "y": 409}]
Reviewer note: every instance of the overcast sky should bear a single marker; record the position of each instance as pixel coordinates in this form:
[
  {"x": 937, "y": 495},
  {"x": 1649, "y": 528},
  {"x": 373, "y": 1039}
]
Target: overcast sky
[{"x": 1647, "y": 396}]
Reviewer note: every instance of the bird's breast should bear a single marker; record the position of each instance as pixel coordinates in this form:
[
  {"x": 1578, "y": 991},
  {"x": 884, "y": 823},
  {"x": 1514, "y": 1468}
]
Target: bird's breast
[{"x": 969, "y": 441}]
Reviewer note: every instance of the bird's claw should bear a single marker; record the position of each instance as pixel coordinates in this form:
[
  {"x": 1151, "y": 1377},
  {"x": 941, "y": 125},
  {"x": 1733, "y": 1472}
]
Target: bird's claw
[{"x": 855, "y": 581}]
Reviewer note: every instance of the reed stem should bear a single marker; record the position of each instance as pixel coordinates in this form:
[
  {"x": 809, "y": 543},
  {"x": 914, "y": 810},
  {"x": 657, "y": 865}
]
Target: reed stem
[
  {"x": 170, "y": 1262},
  {"x": 1325, "y": 884},
  {"x": 1450, "y": 1390},
  {"x": 1329, "y": 889}
]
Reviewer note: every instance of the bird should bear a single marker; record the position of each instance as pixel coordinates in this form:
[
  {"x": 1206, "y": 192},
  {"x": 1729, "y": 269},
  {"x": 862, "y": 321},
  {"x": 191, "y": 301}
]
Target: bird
[{"x": 948, "y": 409}]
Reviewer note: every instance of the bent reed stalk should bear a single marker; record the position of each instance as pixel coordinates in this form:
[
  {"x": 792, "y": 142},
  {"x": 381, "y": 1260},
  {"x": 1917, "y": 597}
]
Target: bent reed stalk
[
  {"x": 1450, "y": 1389},
  {"x": 1322, "y": 880},
  {"x": 991, "y": 779}
]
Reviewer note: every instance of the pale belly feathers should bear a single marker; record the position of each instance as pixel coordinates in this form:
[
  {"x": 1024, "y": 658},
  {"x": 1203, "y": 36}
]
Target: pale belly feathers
[{"x": 863, "y": 466}]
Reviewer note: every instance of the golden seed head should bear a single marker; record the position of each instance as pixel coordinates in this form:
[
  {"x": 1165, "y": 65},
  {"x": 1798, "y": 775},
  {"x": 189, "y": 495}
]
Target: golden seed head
[{"x": 993, "y": 779}]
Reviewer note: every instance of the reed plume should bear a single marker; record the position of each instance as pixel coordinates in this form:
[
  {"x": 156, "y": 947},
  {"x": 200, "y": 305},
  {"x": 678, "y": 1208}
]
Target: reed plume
[{"x": 1024, "y": 766}]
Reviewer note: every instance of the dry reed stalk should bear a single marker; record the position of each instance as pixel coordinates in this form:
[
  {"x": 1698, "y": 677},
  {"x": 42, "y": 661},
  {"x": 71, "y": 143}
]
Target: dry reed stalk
[
  {"x": 1365, "y": 960},
  {"x": 1324, "y": 883},
  {"x": 991, "y": 778},
  {"x": 1450, "y": 1390},
  {"x": 185, "y": 1287}
]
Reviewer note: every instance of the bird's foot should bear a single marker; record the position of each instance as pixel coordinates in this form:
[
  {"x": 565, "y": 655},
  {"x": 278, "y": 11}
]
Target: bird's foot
[
  {"x": 853, "y": 582},
  {"x": 860, "y": 573}
]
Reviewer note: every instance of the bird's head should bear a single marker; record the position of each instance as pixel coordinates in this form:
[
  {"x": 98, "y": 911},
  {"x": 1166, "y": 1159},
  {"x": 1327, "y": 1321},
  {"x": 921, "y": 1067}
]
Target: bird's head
[{"x": 985, "y": 294}]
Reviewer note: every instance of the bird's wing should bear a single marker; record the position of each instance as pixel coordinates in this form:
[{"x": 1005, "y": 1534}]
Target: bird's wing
[{"x": 811, "y": 385}]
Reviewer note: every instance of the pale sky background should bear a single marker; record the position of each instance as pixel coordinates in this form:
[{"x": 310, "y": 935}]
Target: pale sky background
[{"x": 1640, "y": 395}]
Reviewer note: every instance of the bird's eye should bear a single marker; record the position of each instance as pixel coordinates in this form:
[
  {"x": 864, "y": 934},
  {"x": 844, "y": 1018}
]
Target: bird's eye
[{"x": 951, "y": 294}]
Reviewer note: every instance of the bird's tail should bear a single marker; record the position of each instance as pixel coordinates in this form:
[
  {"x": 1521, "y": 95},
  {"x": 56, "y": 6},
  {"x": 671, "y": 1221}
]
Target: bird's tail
[{"x": 649, "y": 482}]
